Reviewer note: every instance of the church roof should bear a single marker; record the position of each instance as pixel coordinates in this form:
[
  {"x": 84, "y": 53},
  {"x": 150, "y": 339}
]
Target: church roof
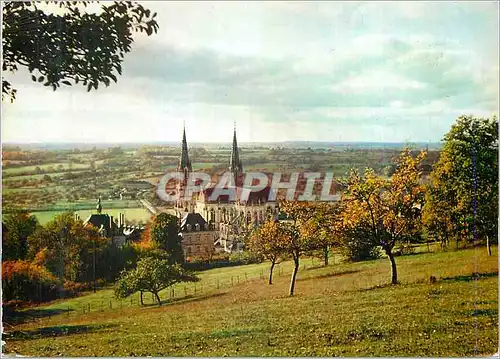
[
  {"x": 100, "y": 220},
  {"x": 193, "y": 219},
  {"x": 254, "y": 197}
]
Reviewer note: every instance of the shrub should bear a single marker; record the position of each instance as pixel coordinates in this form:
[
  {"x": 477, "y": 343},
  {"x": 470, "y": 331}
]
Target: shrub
[
  {"x": 27, "y": 281},
  {"x": 245, "y": 257},
  {"x": 357, "y": 245}
]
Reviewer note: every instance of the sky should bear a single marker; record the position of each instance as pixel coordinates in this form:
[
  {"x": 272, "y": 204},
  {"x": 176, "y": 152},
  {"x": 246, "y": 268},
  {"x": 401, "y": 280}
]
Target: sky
[{"x": 282, "y": 71}]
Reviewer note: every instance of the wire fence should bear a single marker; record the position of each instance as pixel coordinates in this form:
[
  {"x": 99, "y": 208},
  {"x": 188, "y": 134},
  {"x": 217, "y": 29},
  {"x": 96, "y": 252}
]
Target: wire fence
[
  {"x": 104, "y": 301},
  {"x": 210, "y": 285}
]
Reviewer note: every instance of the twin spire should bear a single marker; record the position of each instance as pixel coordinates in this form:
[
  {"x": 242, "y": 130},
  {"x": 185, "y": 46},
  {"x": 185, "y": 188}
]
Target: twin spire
[
  {"x": 235, "y": 164},
  {"x": 184, "y": 162}
]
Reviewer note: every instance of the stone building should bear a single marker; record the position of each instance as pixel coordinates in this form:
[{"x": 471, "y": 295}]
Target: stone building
[
  {"x": 198, "y": 237},
  {"x": 116, "y": 229}
]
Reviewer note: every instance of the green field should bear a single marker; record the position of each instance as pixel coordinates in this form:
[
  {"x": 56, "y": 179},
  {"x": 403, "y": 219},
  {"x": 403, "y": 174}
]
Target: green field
[
  {"x": 29, "y": 169},
  {"x": 131, "y": 214},
  {"x": 339, "y": 310},
  {"x": 204, "y": 165}
]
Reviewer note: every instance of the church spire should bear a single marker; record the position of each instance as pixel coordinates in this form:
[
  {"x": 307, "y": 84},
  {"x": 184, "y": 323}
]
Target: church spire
[
  {"x": 235, "y": 165},
  {"x": 99, "y": 205},
  {"x": 184, "y": 161}
]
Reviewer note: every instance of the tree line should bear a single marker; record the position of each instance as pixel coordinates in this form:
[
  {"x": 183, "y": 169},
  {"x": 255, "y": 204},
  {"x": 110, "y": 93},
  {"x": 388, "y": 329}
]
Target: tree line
[
  {"x": 457, "y": 201},
  {"x": 67, "y": 256}
]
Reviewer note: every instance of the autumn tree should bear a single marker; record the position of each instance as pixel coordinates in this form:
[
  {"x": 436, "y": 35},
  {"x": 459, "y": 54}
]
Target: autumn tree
[
  {"x": 267, "y": 242},
  {"x": 65, "y": 241},
  {"x": 151, "y": 275},
  {"x": 64, "y": 43},
  {"x": 19, "y": 226},
  {"x": 323, "y": 226},
  {"x": 296, "y": 238},
  {"x": 164, "y": 232},
  {"x": 390, "y": 209},
  {"x": 462, "y": 201}
]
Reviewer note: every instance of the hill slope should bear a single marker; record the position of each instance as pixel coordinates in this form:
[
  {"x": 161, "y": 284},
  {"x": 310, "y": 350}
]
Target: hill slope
[{"x": 343, "y": 309}]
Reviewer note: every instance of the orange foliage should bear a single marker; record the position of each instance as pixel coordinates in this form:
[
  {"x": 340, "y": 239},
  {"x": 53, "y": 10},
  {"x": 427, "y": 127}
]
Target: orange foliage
[
  {"x": 146, "y": 242},
  {"x": 30, "y": 269}
]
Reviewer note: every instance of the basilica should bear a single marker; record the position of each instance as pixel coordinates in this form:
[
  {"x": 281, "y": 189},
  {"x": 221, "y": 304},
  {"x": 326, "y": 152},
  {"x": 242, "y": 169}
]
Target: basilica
[{"x": 226, "y": 217}]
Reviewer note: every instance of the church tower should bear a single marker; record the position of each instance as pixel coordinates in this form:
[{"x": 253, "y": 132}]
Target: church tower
[
  {"x": 235, "y": 165},
  {"x": 184, "y": 162},
  {"x": 186, "y": 168}
]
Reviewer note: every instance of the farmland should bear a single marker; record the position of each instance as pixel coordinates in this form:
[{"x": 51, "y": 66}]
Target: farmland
[
  {"x": 48, "y": 181},
  {"x": 344, "y": 309}
]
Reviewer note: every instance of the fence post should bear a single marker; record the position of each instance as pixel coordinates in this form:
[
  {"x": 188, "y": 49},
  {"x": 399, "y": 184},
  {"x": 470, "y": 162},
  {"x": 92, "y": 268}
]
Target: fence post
[
  {"x": 238, "y": 278},
  {"x": 195, "y": 289},
  {"x": 89, "y": 307},
  {"x": 110, "y": 305},
  {"x": 217, "y": 283},
  {"x": 231, "y": 281},
  {"x": 173, "y": 293},
  {"x": 185, "y": 291}
]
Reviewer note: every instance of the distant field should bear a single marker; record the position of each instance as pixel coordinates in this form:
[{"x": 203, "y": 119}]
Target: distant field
[
  {"x": 90, "y": 204},
  {"x": 261, "y": 166},
  {"x": 131, "y": 209},
  {"x": 206, "y": 165},
  {"x": 14, "y": 170},
  {"x": 131, "y": 214},
  {"x": 340, "y": 310},
  {"x": 20, "y": 190}
]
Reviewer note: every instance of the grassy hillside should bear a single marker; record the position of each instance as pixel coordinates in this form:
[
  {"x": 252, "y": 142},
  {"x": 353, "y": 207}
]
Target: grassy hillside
[{"x": 343, "y": 309}]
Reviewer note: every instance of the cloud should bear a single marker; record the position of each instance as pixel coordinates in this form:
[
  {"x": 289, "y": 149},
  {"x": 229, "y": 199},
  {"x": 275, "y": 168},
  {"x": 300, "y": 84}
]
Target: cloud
[{"x": 351, "y": 71}]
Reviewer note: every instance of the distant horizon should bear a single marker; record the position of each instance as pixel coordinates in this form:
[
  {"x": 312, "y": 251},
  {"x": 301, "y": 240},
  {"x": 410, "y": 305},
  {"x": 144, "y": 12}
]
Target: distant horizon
[{"x": 359, "y": 144}]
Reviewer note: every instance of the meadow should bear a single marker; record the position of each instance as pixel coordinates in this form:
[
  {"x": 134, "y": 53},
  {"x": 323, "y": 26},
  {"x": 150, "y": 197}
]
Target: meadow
[
  {"x": 32, "y": 169},
  {"x": 135, "y": 215},
  {"x": 344, "y": 309}
]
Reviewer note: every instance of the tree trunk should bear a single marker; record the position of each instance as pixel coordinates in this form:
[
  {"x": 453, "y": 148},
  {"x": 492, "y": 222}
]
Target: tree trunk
[
  {"x": 157, "y": 297},
  {"x": 326, "y": 255},
  {"x": 142, "y": 301},
  {"x": 488, "y": 245},
  {"x": 294, "y": 275},
  {"x": 271, "y": 273},
  {"x": 394, "y": 277}
]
